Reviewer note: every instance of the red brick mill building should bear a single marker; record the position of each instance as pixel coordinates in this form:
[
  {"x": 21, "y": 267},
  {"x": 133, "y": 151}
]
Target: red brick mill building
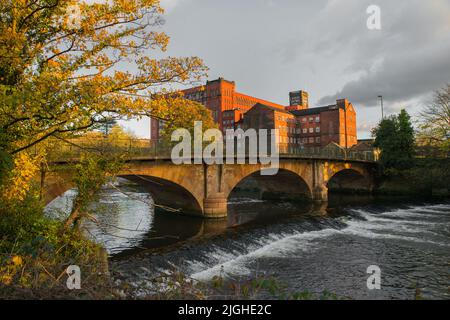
[{"x": 298, "y": 124}]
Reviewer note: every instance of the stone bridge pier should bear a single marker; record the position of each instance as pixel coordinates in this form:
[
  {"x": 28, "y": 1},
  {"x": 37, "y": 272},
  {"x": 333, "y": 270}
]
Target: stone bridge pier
[{"x": 203, "y": 190}]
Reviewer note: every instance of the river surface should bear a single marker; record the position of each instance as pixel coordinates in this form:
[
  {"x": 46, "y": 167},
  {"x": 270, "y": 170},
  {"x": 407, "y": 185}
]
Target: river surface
[{"x": 306, "y": 247}]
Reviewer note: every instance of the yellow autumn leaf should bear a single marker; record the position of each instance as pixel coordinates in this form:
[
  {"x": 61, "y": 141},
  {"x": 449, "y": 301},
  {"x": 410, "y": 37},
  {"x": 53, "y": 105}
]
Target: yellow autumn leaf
[
  {"x": 6, "y": 279},
  {"x": 17, "y": 260}
]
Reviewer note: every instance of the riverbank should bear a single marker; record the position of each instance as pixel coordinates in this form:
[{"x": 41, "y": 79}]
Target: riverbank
[
  {"x": 35, "y": 253},
  {"x": 426, "y": 178}
]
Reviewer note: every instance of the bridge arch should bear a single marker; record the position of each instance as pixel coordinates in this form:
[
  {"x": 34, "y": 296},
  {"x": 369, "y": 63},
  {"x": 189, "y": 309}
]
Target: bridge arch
[
  {"x": 285, "y": 185},
  {"x": 350, "y": 180},
  {"x": 181, "y": 184},
  {"x": 168, "y": 193}
]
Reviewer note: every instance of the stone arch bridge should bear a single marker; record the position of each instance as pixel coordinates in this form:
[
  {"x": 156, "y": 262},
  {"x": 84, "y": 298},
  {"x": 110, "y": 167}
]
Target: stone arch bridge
[{"x": 203, "y": 190}]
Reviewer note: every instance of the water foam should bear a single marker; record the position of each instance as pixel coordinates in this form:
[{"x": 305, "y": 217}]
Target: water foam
[
  {"x": 236, "y": 263},
  {"x": 273, "y": 246},
  {"x": 244, "y": 201}
]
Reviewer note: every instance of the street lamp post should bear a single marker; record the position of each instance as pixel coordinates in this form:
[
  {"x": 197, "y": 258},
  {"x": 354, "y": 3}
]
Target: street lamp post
[{"x": 382, "y": 106}]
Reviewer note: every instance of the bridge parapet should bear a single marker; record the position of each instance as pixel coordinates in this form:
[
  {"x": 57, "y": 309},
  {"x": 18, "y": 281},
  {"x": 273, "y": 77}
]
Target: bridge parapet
[{"x": 138, "y": 149}]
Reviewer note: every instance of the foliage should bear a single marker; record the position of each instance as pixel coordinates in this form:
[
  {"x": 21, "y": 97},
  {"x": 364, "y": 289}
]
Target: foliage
[
  {"x": 36, "y": 250},
  {"x": 435, "y": 124},
  {"x": 406, "y": 135},
  {"x": 190, "y": 112},
  {"x": 92, "y": 173},
  {"x": 395, "y": 137},
  {"x": 411, "y": 168},
  {"x": 117, "y": 134},
  {"x": 18, "y": 182},
  {"x": 61, "y": 73},
  {"x": 6, "y": 165},
  {"x": 175, "y": 285},
  {"x": 425, "y": 178},
  {"x": 34, "y": 255},
  {"x": 117, "y": 141}
]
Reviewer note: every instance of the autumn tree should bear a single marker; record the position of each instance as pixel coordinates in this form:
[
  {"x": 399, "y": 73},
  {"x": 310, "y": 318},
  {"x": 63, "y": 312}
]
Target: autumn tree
[
  {"x": 190, "y": 112},
  {"x": 435, "y": 121},
  {"x": 68, "y": 65}
]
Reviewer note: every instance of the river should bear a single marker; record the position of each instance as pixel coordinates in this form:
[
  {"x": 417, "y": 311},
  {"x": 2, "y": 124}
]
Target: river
[{"x": 306, "y": 247}]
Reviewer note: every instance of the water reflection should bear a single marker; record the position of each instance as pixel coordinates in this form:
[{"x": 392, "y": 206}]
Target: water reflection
[{"x": 127, "y": 221}]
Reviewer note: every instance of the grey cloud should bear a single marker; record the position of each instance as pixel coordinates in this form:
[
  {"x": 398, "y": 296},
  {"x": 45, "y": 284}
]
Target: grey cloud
[
  {"x": 270, "y": 47},
  {"x": 400, "y": 77},
  {"x": 414, "y": 48}
]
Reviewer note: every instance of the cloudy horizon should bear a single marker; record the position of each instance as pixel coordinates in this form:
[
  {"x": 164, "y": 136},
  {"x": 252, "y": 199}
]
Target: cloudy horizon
[{"x": 271, "y": 47}]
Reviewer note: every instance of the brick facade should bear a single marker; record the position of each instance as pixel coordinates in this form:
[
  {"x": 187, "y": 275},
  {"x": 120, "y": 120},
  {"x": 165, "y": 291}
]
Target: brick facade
[
  {"x": 298, "y": 124},
  {"x": 334, "y": 123}
]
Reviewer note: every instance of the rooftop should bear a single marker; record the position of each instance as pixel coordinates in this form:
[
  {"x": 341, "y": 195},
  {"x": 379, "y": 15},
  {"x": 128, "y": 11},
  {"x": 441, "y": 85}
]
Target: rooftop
[
  {"x": 311, "y": 111},
  {"x": 263, "y": 106}
]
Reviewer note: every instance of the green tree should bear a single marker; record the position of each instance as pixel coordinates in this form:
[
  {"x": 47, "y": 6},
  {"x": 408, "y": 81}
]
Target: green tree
[
  {"x": 385, "y": 140},
  {"x": 395, "y": 138},
  {"x": 93, "y": 172},
  {"x": 405, "y": 138}
]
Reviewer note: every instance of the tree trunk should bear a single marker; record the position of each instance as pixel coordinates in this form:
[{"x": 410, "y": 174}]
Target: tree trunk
[{"x": 73, "y": 217}]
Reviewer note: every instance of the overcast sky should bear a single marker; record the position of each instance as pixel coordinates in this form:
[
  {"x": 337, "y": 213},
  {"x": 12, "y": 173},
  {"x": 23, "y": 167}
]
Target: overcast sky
[{"x": 271, "y": 47}]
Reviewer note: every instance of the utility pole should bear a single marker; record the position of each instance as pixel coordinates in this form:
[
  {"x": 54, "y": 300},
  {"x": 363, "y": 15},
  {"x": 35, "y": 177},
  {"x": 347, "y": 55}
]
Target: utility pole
[{"x": 382, "y": 106}]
